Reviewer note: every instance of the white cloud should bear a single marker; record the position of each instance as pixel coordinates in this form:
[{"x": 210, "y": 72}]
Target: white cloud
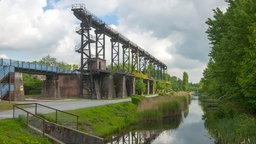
[
  {"x": 175, "y": 28},
  {"x": 3, "y": 56},
  {"x": 171, "y": 30},
  {"x": 38, "y": 32}
]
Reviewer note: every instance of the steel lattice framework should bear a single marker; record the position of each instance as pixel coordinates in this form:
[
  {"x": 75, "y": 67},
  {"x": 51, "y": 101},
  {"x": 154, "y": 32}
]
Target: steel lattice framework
[{"x": 134, "y": 58}]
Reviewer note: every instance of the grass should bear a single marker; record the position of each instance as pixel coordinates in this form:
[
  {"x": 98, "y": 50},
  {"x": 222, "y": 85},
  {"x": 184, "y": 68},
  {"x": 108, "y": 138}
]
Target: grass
[
  {"x": 158, "y": 108},
  {"x": 238, "y": 129},
  {"x": 14, "y": 131},
  {"x": 6, "y": 106},
  {"x": 103, "y": 120},
  {"x": 113, "y": 118},
  {"x": 229, "y": 124}
]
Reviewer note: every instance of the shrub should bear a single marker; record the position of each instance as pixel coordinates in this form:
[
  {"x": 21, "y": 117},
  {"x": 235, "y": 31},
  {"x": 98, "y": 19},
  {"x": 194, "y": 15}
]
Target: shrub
[{"x": 137, "y": 99}]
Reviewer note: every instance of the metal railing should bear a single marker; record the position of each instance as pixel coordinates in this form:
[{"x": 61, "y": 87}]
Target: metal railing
[
  {"x": 33, "y": 66},
  {"x": 52, "y": 114},
  {"x": 4, "y": 71}
]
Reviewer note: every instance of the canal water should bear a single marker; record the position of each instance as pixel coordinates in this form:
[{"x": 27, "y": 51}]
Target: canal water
[{"x": 188, "y": 129}]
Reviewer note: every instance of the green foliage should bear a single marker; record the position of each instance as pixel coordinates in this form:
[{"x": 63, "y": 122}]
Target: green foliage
[
  {"x": 231, "y": 69},
  {"x": 51, "y": 61},
  {"x": 176, "y": 83},
  {"x": 161, "y": 86},
  {"x": 140, "y": 86},
  {"x": 168, "y": 108},
  {"x": 185, "y": 81},
  {"x": 32, "y": 84},
  {"x": 237, "y": 129},
  {"x": 137, "y": 99},
  {"x": 15, "y": 132}
]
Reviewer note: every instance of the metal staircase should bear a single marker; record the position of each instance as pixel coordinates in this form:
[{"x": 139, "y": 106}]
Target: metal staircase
[{"x": 5, "y": 86}]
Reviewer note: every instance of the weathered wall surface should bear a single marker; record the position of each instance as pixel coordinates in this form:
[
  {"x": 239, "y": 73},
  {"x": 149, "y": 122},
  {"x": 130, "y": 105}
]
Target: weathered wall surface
[
  {"x": 62, "y": 86},
  {"x": 70, "y": 136}
]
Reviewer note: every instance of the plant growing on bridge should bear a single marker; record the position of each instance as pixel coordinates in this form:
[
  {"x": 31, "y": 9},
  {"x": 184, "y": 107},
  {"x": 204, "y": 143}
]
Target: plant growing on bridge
[{"x": 140, "y": 86}]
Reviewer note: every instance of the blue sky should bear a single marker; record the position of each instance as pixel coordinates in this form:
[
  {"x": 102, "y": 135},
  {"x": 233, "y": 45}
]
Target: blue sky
[{"x": 171, "y": 30}]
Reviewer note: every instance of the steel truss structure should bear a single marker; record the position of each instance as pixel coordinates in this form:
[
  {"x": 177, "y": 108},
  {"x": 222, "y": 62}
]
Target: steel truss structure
[{"x": 131, "y": 58}]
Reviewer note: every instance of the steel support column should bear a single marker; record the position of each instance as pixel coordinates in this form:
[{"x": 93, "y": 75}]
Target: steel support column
[
  {"x": 85, "y": 50},
  {"x": 135, "y": 59},
  {"x": 100, "y": 44},
  {"x": 126, "y": 58},
  {"x": 115, "y": 53}
]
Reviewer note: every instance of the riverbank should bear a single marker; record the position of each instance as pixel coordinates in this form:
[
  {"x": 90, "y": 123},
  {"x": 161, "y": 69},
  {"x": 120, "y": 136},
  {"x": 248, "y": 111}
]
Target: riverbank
[
  {"x": 111, "y": 119},
  {"x": 227, "y": 123}
]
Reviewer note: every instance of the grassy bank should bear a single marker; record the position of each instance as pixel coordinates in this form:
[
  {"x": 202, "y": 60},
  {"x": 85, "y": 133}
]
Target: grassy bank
[
  {"x": 103, "y": 120},
  {"x": 109, "y": 119},
  {"x": 229, "y": 124},
  {"x": 162, "y": 107},
  {"x": 15, "y": 132}
]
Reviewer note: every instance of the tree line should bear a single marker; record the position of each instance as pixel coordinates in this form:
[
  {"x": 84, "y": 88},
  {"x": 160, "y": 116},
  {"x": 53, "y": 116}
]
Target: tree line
[{"x": 231, "y": 70}]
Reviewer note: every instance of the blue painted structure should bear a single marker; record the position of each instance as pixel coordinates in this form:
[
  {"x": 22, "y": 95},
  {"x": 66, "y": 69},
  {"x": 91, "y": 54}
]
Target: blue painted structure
[{"x": 8, "y": 66}]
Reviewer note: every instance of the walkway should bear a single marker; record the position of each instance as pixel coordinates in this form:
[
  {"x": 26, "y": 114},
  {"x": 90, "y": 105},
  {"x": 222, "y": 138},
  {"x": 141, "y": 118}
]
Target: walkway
[{"x": 66, "y": 105}]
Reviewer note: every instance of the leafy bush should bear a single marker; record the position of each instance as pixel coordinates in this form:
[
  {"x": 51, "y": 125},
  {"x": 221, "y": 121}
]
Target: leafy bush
[{"x": 137, "y": 99}]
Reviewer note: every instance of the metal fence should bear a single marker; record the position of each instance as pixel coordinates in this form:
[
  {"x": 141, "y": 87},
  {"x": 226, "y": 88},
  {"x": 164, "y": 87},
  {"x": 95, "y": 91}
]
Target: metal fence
[
  {"x": 45, "y": 112},
  {"x": 34, "y": 66}
]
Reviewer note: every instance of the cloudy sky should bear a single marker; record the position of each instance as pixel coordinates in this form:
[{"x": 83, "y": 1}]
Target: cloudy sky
[{"x": 171, "y": 30}]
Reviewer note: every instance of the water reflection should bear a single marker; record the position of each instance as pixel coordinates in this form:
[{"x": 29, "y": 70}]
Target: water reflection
[
  {"x": 188, "y": 128},
  {"x": 191, "y": 130},
  {"x": 145, "y": 133}
]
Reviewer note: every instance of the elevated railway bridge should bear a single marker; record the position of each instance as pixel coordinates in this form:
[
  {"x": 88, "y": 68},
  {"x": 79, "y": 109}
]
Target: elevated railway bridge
[{"x": 94, "y": 79}]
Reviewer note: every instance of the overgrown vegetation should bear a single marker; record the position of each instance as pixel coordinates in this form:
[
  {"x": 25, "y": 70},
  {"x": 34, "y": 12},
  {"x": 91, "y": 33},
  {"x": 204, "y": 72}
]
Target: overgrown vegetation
[
  {"x": 228, "y": 125},
  {"x": 160, "y": 108},
  {"x": 113, "y": 118},
  {"x": 14, "y": 131},
  {"x": 230, "y": 75}
]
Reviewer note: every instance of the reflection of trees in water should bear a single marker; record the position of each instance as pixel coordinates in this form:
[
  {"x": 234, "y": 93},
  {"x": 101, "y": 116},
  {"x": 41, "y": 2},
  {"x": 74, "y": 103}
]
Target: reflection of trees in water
[{"x": 145, "y": 133}]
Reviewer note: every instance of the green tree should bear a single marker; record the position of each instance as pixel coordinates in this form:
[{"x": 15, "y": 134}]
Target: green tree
[
  {"x": 161, "y": 86},
  {"x": 140, "y": 86},
  {"x": 231, "y": 70},
  {"x": 185, "y": 81}
]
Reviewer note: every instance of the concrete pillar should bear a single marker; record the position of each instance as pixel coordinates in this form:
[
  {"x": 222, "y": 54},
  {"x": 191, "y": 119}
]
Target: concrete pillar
[
  {"x": 68, "y": 85},
  {"x": 151, "y": 87},
  {"x": 148, "y": 87},
  {"x": 120, "y": 85},
  {"x": 51, "y": 87},
  {"x": 16, "y": 87},
  {"x": 108, "y": 90},
  {"x": 146, "y": 81},
  {"x": 130, "y": 85}
]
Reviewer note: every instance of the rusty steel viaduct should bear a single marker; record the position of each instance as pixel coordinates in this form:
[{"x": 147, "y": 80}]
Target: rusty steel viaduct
[{"x": 94, "y": 79}]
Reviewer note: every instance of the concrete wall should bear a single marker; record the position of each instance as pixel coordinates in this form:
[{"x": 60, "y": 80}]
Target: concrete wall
[
  {"x": 68, "y": 85},
  {"x": 70, "y": 136},
  {"x": 61, "y": 86}
]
